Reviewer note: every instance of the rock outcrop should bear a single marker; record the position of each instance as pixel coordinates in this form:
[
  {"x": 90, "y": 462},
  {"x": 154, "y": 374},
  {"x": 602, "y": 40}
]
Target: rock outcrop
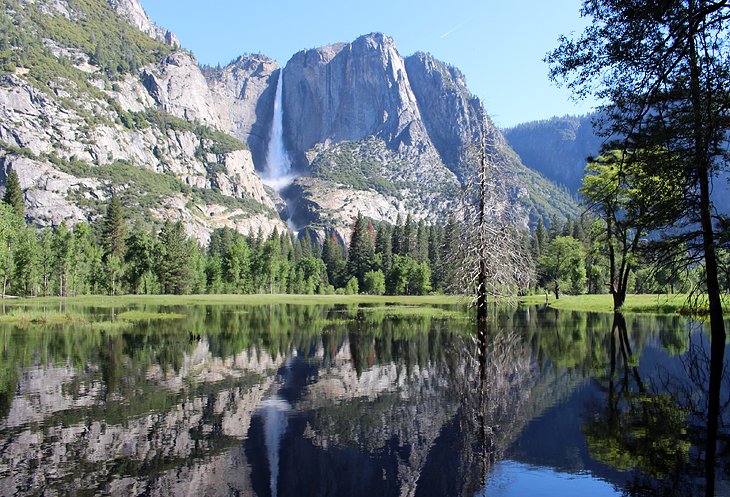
[
  {"x": 133, "y": 13},
  {"x": 367, "y": 130},
  {"x": 385, "y": 135}
]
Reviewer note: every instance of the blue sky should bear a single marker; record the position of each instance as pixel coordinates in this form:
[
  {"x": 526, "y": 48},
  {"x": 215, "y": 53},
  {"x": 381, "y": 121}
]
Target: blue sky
[{"x": 498, "y": 45}]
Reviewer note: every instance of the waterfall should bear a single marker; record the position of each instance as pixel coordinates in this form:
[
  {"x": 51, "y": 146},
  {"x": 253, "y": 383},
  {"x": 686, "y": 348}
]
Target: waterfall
[
  {"x": 275, "y": 423},
  {"x": 278, "y": 166}
]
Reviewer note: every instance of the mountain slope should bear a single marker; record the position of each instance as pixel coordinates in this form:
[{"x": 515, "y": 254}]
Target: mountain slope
[
  {"x": 96, "y": 99},
  {"x": 557, "y": 147},
  {"x": 359, "y": 116},
  {"x": 90, "y": 105}
]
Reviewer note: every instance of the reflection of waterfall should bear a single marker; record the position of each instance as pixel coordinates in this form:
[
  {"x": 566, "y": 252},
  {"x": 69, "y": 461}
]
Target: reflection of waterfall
[
  {"x": 274, "y": 411},
  {"x": 278, "y": 165}
]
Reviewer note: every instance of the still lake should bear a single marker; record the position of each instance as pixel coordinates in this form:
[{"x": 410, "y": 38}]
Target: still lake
[{"x": 368, "y": 400}]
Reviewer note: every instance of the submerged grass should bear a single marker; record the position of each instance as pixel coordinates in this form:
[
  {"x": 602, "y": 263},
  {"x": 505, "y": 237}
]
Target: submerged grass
[
  {"x": 143, "y": 316},
  {"x": 413, "y": 310},
  {"x": 24, "y": 318}
]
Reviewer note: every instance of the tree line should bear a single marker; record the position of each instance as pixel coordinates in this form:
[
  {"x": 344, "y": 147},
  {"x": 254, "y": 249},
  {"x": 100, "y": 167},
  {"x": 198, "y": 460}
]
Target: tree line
[{"x": 108, "y": 256}]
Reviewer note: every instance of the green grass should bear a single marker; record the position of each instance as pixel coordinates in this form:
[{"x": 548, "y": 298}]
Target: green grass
[
  {"x": 259, "y": 299},
  {"x": 649, "y": 303}
]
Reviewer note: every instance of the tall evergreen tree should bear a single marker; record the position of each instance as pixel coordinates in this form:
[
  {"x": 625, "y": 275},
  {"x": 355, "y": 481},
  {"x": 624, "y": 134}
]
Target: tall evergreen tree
[
  {"x": 113, "y": 243},
  {"x": 174, "y": 263},
  {"x": 384, "y": 247},
  {"x": 408, "y": 243},
  {"x": 361, "y": 253},
  {"x": 333, "y": 258},
  {"x": 397, "y": 236},
  {"x": 113, "y": 229},
  {"x": 540, "y": 239},
  {"x": 14, "y": 194},
  {"x": 421, "y": 242}
]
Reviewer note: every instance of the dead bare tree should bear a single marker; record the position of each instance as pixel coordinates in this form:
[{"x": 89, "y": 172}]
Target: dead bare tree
[{"x": 495, "y": 261}]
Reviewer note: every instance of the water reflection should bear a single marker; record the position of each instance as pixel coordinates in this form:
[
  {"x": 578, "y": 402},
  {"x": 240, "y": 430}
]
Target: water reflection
[{"x": 335, "y": 400}]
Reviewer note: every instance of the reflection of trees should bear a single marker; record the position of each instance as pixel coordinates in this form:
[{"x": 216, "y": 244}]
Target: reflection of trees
[
  {"x": 637, "y": 428},
  {"x": 494, "y": 381}
]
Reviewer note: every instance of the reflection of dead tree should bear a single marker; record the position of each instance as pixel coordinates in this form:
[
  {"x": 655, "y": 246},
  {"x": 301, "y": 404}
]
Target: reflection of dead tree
[
  {"x": 495, "y": 384},
  {"x": 495, "y": 262}
]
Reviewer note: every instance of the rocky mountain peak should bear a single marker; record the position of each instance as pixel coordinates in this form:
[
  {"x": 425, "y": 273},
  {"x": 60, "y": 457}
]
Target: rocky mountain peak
[{"x": 133, "y": 13}]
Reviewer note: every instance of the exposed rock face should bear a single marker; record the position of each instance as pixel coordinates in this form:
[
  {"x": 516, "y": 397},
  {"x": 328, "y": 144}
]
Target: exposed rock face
[
  {"x": 363, "y": 95},
  {"x": 369, "y": 131},
  {"x": 450, "y": 112},
  {"x": 178, "y": 87},
  {"x": 347, "y": 92},
  {"x": 68, "y": 141},
  {"x": 132, "y": 12},
  {"x": 246, "y": 87}
]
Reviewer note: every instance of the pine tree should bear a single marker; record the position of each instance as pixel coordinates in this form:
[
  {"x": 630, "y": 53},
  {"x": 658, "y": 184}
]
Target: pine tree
[
  {"x": 113, "y": 243},
  {"x": 539, "y": 239},
  {"x": 397, "y": 236},
  {"x": 174, "y": 265},
  {"x": 421, "y": 248},
  {"x": 361, "y": 253},
  {"x": 113, "y": 229},
  {"x": 14, "y": 194},
  {"x": 408, "y": 243},
  {"x": 384, "y": 247},
  {"x": 332, "y": 257}
]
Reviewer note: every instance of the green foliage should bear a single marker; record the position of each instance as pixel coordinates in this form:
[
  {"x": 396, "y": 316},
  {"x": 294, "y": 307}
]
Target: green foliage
[
  {"x": 94, "y": 29},
  {"x": 14, "y": 194},
  {"x": 352, "y": 165},
  {"x": 213, "y": 140},
  {"x": 352, "y": 287},
  {"x": 374, "y": 282},
  {"x": 362, "y": 249},
  {"x": 564, "y": 265},
  {"x": 174, "y": 262}
]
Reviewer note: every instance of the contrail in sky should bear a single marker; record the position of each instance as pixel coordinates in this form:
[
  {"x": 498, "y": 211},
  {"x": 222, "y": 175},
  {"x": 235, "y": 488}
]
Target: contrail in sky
[{"x": 458, "y": 26}]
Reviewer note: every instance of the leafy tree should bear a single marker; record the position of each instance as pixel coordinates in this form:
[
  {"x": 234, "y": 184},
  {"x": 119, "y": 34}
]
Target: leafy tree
[
  {"x": 563, "y": 264},
  {"x": 352, "y": 287},
  {"x": 63, "y": 251},
  {"x": 664, "y": 68},
  {"x": 9, "y": 228},
  {"x": 310, "y": 276},
  {"x": 46, "y": 260},
  {"x": 140, "y": 262},
  {"x": 86, "y": 270},
  {"x": 25, "y": 262},
  {"x": 236, "y": 267},
  {"x": 628, "y": 198},
  {"x": 374, "y": 282},
  {"x": 14, "y": 194}
]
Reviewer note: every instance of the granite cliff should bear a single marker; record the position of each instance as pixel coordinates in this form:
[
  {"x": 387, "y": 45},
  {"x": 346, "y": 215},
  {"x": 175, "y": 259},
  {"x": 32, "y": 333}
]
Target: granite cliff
[{"x": 114, "y": 104}]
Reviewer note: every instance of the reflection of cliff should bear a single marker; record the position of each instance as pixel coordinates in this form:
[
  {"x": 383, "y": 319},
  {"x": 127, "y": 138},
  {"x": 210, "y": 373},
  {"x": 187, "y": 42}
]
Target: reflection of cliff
[
  {"x": 383, "y": 410},
  {"x": 366, "y": 405},
  {"x": 59, "y": 421}
]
